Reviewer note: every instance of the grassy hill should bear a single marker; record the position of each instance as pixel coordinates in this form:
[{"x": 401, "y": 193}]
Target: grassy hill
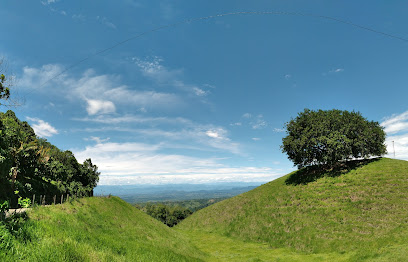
[
  {"x": 360, "y": 208},
  {"x": 97, "y": 229},
  {"x": 355, "y": 213}
]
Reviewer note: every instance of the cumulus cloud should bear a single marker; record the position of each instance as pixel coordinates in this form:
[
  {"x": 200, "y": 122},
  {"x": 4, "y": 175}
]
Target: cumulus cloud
[
  {"x": 100, "y": 107},
  {"x": 396, "y": 128},
  {"x": 42, "y": 128}
]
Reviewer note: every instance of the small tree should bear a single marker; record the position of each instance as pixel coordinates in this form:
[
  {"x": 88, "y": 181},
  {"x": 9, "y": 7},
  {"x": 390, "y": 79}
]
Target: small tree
[{"x": 326, "y": 137}]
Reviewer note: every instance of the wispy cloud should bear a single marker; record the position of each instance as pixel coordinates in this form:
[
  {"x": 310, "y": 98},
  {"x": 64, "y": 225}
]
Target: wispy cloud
[
  {"x": 279, "y": 130},
  {"x": 337, "y": 70},
  {"x": 153, "y": 69},
  {"x": 48, "y": 2},
  {"x": 42, "y": 128},
  {"x": 103, "y": 20},
  {"x": 259, "y": 122},
  {"x": 100, "y": 93},
  {"x": 138, "y": 163},
  {"x": 396, "y": 123}
]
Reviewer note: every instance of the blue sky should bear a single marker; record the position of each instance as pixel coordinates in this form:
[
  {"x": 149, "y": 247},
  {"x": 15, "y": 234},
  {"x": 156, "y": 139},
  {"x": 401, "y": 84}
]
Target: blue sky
[{"x": 202, "y": 101}]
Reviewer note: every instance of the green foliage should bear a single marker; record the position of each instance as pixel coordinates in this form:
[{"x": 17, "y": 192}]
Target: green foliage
[
  {"x": 24, "y": 202},
  {"x": 169, "y": 215},
  {"x": 326, "y": 137},
  {"x": 4, "y": 89},
  {"x": 32, "y": 165}
]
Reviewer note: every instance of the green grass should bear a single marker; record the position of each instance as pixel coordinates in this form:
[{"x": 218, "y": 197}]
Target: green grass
[
  {"x": 361, "y": 212},
  {"x": 358, "y": 213},
  {"x": 98, "y": 229}
]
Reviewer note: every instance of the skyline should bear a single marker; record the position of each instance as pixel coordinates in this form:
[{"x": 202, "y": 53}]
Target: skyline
[{"x": 204, "y": 101}]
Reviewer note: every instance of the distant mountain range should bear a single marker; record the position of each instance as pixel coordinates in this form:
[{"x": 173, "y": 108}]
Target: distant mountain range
[{"x": 175, "y": 192}]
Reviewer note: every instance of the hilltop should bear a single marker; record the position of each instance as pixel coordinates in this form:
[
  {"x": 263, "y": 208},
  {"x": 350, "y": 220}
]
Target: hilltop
[{"x": 361, "y": 208}]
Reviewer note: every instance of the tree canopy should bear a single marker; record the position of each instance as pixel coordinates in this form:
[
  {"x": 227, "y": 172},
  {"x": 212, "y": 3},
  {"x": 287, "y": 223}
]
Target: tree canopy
[
  {"x": 32, "y": 165},
  {"x": 328, "y": 136}
]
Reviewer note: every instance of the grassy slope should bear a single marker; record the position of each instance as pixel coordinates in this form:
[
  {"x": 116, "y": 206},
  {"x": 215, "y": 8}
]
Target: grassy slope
[
  {"x": 363, "y": 211},
  {"x": 100, "y": 229}
]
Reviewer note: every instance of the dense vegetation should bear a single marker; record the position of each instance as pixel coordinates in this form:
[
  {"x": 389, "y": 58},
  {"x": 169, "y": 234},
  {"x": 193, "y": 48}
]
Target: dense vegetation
[
  {"x": 169, "y": 215},
  {"x": 30, "y": 165},
  {"x": 359, "y": 209},
  {"x": 326, "y": 137},
  {"x": 173, "y": 212}
]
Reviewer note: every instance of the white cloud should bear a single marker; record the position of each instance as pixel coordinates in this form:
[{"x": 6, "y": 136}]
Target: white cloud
[
  {"x": 184, "y": 131},
  {"x": 259, "y": 123},
  {"x": 279, "y": 130},
  {"x": 154, "y": 70},
  {"x": 42, "y": 128},
  {"x": 36, "y": 77},
  {"x": 247, "y": 115},
  {"x": 92, "y": 87},
  {"x": 135, "y": 119},
  {"x": 48, "y": 2},
  {"x": 400, "y": 145},
  {"x": 256, "y": 138},
  {"x": 337, "y": 70},
  {"x": 138, "y": 163},
  {"x": 396, "y": 123},
  {"x": 100, "y": 107},
  {"x": 396, "y": 128}
]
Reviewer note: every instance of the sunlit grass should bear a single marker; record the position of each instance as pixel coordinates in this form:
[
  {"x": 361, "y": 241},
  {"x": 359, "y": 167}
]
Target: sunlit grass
[
  {"x": 362, "y": 211},
  {"x": 99, "y": 229}
]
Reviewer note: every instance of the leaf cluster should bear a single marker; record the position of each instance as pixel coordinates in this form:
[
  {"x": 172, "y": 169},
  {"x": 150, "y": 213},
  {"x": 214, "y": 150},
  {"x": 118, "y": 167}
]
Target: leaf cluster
[
  {"x": 329, "y": 136},
  {"x": 169, "y": 215},
  {"x": 32, "y": 165}
]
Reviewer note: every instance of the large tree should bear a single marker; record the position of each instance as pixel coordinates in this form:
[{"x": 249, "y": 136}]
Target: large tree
[{"x": 328, "y": 136}]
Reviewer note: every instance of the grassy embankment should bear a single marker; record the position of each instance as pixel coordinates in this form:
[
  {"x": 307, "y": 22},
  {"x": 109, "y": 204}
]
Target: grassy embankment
[
  {"x": 359, "y": 212},
  {"x": 97, "y": 229}
]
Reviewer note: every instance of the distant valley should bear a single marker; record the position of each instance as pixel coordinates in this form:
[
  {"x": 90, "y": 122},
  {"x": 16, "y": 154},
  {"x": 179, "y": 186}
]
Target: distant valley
[{"x": 175, "y": 192}]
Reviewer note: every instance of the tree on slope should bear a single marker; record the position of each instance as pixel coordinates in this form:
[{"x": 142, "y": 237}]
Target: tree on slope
[{"x": 328, "y": 136}]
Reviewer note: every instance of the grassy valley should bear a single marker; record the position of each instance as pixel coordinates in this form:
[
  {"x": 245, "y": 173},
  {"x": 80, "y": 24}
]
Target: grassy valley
[
  {"x": 97, "y": 229},
  {"x": 354, "y": 213}
]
